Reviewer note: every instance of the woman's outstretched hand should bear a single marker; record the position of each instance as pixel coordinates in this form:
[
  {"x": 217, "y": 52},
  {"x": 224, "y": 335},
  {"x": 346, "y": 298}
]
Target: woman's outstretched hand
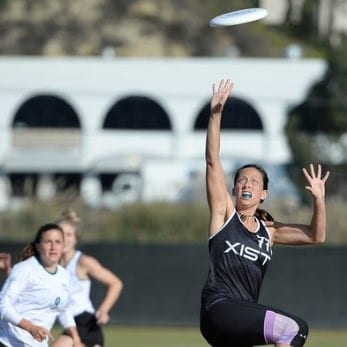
[
  {"x": 220, "y": 95},
  {"x": 316, "y": 183}
]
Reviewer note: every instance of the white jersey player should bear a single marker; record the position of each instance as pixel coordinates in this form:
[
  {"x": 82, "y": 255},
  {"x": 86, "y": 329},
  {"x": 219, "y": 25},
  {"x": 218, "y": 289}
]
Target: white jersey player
[{"x": 36, "y": 293}]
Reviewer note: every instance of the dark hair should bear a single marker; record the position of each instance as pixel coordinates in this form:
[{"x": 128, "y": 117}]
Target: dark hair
[
  {"x": 30, "y": 249},
  {"x": 260, "y": 213},
  {"x": 257, "y": 167},
  {"x": 263, "y": 215}
]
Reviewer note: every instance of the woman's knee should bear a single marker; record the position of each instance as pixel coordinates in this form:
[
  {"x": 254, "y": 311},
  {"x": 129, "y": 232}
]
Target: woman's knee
[
  {"x": 300, "y": 338},
  {"x": 282, "y": 329}
]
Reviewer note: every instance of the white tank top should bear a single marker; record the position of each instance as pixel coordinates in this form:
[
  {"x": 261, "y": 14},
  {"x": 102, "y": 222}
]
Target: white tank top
[{"x": 80, "y": 288}]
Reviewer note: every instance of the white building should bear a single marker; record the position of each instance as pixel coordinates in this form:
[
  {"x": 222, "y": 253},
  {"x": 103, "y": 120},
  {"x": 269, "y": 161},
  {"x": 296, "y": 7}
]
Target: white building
[{"x": 83, "y": 123}]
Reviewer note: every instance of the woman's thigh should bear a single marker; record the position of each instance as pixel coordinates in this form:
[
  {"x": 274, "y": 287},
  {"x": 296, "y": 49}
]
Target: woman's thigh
[
  {"x": 243, "y": 324},
  {"x": 234, "y": 323}
]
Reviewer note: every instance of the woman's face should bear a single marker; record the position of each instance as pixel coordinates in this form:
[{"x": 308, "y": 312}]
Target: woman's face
[
  {"x": 249, "y": 188},
  {"x": 70, "y": 237},
  {"x": 51, "y": 246}
]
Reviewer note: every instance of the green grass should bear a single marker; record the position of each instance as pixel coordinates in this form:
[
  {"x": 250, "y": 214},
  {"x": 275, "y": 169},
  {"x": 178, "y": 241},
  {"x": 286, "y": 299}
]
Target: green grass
[
  {"x": 139, "y": 336},
  {"x": 153, "y": 337}
]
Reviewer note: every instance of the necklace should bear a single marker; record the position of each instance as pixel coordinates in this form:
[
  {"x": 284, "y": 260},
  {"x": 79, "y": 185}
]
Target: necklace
[{"x": 245, "y": 217}]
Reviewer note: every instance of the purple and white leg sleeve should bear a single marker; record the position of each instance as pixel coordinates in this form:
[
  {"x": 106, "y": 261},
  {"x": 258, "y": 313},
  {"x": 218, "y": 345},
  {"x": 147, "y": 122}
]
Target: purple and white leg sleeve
[{"x": 279, "y": 328}]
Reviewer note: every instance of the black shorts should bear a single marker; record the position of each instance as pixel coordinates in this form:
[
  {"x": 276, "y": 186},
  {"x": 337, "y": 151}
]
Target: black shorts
[
  {"x": 235, "y": 323},
  {"x": 89, "y": 330}
]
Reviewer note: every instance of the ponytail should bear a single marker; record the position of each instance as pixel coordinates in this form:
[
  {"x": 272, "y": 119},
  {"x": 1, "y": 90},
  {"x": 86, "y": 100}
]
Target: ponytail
[
  {"x": 263, "y": 215},
  {"x": 28, "y": 251}
]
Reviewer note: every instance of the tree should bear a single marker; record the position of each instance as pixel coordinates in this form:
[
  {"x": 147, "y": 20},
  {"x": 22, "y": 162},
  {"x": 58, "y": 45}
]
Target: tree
[{"x": 317, "y": 128}]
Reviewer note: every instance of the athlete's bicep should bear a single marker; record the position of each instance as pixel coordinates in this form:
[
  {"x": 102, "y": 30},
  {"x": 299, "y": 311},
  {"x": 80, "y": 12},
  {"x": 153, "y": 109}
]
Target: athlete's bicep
[
  {"x": 289, "y": 234},
  {"x": 97, "y": 271},
  {"x": 217, "y": 220},
  {"x": 216, "y": 188}
]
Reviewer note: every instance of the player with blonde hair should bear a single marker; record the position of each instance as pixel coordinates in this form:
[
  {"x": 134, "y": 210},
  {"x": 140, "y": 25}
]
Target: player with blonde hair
[{"x": 82, "y": 268}]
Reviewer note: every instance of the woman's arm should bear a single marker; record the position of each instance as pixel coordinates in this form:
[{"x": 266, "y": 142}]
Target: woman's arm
[
  {"x": 73, "y": 333},
  {"x": 72, "y": 337},
  {"x": 218, "y": 198},
  {"x": 5, "y": 262},
  {"x": 14, "y": 285},
  {"x": 39, "y": 333},
  {"x": 114, "y": 285},
  {"x": 297, "y": 234}
]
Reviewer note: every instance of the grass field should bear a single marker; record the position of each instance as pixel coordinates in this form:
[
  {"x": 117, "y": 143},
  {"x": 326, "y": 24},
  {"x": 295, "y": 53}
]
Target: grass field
[{"x": 139, "y": 336}]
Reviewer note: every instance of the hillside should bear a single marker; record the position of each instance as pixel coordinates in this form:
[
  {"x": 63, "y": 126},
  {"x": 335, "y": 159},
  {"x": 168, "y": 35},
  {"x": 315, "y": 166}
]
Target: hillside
[{"x": 129, "y": 28}]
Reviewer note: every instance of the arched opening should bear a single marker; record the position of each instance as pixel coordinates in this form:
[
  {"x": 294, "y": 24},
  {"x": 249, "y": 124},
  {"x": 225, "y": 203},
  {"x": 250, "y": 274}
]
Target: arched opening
[
  {"x": 137, "y": 113},
  {"x": 46, "y": 111},
  {"x": 46, "y": 121},
  {"x": 43, "y": 126},
  {"x": 237, "y": 115}
]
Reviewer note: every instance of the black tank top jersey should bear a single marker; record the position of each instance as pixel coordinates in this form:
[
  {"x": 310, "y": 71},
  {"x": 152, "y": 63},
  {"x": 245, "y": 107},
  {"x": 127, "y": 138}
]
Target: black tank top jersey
[{"x": 238, "y": 261}]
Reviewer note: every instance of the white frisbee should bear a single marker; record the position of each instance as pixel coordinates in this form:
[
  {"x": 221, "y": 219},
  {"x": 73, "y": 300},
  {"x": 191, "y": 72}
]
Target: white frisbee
[{"x": 245, "y": 15}]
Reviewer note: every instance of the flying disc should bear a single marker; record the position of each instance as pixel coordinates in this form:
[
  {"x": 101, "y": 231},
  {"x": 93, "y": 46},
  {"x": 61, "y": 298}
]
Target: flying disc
[{"x": 245, "y": 15}]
